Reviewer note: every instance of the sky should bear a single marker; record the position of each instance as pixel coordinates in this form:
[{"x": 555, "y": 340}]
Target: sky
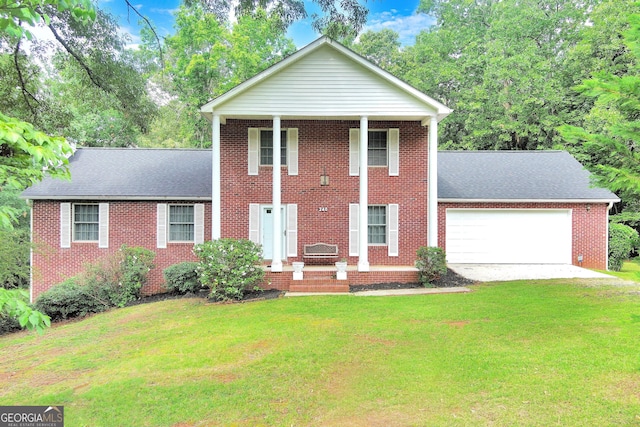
[{"x": 398, "y": 15}]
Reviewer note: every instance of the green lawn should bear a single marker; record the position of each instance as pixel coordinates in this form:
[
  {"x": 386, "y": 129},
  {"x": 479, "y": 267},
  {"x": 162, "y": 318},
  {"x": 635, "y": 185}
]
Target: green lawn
[
  {"x": 548, "y": 353},
  {"x": 630, "y": 270}
]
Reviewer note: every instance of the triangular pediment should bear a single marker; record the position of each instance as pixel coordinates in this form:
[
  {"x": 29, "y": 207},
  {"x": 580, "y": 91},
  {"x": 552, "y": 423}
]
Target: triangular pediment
[{"x": 325, "y": 80}]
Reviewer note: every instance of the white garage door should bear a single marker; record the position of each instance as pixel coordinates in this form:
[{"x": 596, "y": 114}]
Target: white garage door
[{"x": 509, "y": 236}]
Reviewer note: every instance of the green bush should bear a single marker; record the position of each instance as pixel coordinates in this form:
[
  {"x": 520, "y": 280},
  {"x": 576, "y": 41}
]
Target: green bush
[
  {"x": 182, "y": 278},
  {"x": 111, "y": 282},
  {"x": 69, "y": 299},
  {"x": 117, "y": 279},
  {"x": 16, "y": 313},
  {"x": 622, "y": 240},
  {"x": 8, "y": 324},
  {"x": 14, "y": 258},
  {"x": 431, "y": 264},
  {"x": 229, "y": 267}
]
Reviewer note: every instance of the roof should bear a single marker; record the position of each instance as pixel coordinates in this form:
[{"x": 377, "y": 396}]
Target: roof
[
  {"x": 185, "y": 174},
  {"x": 313, "y": 93},
  {"x": 515, "y": 176},
  {"x": 131, "y": 173}
]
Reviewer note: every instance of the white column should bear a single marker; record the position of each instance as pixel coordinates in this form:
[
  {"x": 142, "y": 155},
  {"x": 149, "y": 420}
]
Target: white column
[
  {"x": 363, "y": 261},
  {"x": 432, "y": 195},
  {"x": 216, "y": 225},
  {"x": 276, "y": 262}
]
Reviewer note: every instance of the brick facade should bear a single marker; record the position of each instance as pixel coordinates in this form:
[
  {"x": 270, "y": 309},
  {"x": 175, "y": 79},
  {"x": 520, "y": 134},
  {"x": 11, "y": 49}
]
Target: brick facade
[
  {"x": 324, "y": 146},
  {"x": 131, "y": 223},
  {"x": 589, "y": 227}
]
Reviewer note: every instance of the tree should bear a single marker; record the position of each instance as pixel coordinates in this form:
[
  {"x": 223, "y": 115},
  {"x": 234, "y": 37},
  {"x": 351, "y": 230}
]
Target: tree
[
  {"x": 340, "y": 18},
  {"x": 380, "y": 47},
  {"x": 27, "y": 154},
  {"x": 207, "y": 58},
  {"x": 498, "y": 65},
  {"x": 614, "y": 148}
]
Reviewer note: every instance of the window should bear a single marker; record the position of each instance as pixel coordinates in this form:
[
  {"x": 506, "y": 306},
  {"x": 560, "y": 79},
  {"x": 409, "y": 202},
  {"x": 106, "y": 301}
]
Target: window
[
  {"x": 86, "y": 223},
  {"x": 377, "y": 219},
  {"x": 266, "y": 147},
  {"x": 377, "y": 155},
  {"x": 181, "y": 223}
]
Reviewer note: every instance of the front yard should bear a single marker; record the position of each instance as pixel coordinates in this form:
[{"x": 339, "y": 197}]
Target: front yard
[{"x": 521, "y": 353}]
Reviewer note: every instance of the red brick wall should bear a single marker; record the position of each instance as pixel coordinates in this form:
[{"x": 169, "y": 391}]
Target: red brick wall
[
  {"x": 131, "y": 223},
  {"x": 589, "y": 227},
  {"x": 324, "y": 145}
]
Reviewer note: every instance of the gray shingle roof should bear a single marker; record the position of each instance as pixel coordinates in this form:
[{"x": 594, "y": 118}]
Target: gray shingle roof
[
  {"x": 127, "y": 173},
  {"x": 515, "y": 175},
  {"x": 112, "y": 173}
]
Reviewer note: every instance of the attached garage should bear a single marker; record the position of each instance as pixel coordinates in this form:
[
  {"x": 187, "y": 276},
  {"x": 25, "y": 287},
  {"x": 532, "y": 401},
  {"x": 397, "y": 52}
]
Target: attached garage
[
  {"x": 521, "y": 207},
  {"x": 508, "y": 236}
]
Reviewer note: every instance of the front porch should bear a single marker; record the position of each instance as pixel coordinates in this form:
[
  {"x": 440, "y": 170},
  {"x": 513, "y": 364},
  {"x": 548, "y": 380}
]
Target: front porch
[{"x": 322, "y": 278}]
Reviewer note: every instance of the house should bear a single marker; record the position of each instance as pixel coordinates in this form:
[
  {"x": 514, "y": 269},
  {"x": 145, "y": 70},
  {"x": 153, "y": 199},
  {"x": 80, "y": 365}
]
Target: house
[{"x": 287, "y": 171}]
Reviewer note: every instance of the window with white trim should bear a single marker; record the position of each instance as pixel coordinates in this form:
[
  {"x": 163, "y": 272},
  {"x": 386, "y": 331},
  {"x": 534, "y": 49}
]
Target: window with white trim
[
  {"x": 266, "y": 147},
  {"x": 377, "y": 148},
  {"x": 377, "y": 225},
  {"x": 181, "y": 223},
  {"x": 86, "y": 222}
]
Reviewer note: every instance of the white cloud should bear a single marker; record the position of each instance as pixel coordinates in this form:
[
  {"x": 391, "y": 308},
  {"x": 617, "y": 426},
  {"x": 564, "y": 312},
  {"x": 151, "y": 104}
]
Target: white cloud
[{"x": 407, "y": 26}]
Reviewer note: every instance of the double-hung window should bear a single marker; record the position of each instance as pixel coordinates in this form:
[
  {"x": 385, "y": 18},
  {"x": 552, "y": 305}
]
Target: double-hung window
[
  {"x": 266, "y": 147},
  {"x": 181, "y": 223},
  {"x": 86, "y": 222},
  {"x": 377, "y": 229},
  {"x": 377, "y": 153}
]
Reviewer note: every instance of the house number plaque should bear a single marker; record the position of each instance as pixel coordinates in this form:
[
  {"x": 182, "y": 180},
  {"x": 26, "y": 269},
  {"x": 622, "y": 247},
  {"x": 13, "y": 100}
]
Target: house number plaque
[{"x": 323, "y": 209}]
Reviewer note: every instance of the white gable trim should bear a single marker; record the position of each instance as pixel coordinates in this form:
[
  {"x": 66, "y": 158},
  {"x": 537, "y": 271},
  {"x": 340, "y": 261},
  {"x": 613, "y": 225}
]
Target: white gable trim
[{"x": 441, "y": 111}]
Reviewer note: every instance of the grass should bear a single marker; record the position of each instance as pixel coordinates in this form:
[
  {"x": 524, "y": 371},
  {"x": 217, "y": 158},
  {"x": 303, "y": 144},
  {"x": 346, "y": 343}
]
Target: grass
[
  {"x": 546, "y": 353},
  {"x": 630, "y": 270}
]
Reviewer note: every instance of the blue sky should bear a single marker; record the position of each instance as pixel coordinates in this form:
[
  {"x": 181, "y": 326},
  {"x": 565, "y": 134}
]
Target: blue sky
[{"x": 399, "y": 15}]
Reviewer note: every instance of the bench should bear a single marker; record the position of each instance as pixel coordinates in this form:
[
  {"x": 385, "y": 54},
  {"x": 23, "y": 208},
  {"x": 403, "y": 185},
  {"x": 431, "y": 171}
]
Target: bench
[{"x": 320, "y": 250}]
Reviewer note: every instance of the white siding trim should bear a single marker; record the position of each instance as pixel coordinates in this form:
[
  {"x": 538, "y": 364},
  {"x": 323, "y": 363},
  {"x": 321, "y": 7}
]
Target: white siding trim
[
  {"x": 354, "y": 212},
  {"x": 292, "y": 230},
  {"x": 394, "y": 152},
  {"x": 161, "y": 226},
  {"x": 253, "y": 151},
  {"x": 392, "y": 230},
  {"x": 198, "y": 219},
  {"x": 103, "y": 227},
  {"x": 65, "y": 225},
  {"x": 254, "y": 222},
  {"x": 354, "y": 152},
  {"x": 292, "y": 151}
]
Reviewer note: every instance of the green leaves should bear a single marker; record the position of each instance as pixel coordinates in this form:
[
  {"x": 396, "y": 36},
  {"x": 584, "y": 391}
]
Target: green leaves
[
  {"x": 17, "y": 307},
  {"x": 229, "y": 267},
  {"x": 14, "y": 13}
]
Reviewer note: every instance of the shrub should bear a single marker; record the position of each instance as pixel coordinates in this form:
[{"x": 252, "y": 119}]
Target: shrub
[
  {"x": 16, "y": 313},
  {"x": 182, "y": 278},
  {"x": 229, "y": 267},
  {"x": 622, "y": 240},
  {"x": 69, "y": 299},
  {"x": 111, "y": 282},
  {"x": 431, "y": 264},
  {"x": 8, "y": 324},
  {"x": 117, "y": 279}
]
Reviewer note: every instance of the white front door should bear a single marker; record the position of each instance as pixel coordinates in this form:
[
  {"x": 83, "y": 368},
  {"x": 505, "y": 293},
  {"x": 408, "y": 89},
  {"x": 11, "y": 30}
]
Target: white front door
[{"x": 266, "y": 232}]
